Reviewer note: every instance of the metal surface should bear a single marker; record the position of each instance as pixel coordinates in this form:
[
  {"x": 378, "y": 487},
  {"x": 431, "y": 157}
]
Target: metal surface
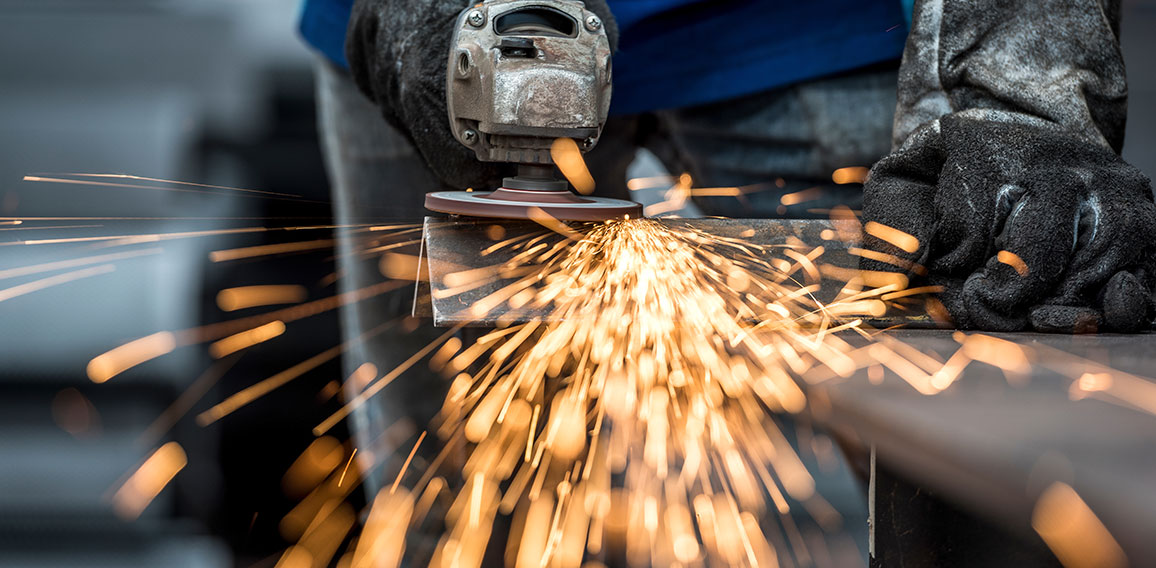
[
  {"x": 991, "y": 446},
  {"x": 453, "y": 245},
  {"x": 522, "y": 73}
]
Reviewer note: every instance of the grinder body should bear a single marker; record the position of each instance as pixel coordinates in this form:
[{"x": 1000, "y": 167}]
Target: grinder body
[{"x": 522, "y": 74}]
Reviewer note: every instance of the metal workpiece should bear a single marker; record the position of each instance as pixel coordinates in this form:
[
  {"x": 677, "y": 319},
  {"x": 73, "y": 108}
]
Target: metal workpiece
[
  {"x": 522, "y": 73},
  {"x": 1081, "y": 413},
  {"x": 457, "y": 244}
]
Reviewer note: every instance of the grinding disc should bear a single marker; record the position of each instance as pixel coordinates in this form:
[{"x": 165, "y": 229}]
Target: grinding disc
[{"x": 507, "y": 203}]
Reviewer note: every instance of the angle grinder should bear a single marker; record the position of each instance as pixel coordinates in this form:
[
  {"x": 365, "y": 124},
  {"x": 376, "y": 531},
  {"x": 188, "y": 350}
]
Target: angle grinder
[{"x": 522, "y": 74}]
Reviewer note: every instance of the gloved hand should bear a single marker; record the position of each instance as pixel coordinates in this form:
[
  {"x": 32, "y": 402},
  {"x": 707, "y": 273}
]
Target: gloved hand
[
  {"x": 1006, "y": 167},
  {"x": 397, "y": 52}
]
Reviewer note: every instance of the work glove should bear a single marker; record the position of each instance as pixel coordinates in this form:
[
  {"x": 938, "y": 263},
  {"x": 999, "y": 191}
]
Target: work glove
[
  {"x": 1005, "y": 166},
  {"x": 397, "y": 52}
]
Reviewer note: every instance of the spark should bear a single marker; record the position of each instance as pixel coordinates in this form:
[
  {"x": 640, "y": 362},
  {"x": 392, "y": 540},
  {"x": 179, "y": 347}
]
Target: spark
[
  {"x": 889, "y": 259},
  {"x": 239, "y": 192},
  {"x": 568, "y": 158},
  {"x": 122, "y": 240},
  {"x": 131, "y": 499},
  {"x": 904, "y": 241},
  {"x": 267, "y": 250},
  {"x": 641, "y": 409},
  {"x": 657, "y": 334},
  {"x": 1074, "y": 533},
  {"x": 118, "y": 360},
  {"x": 313, "y": 465},
  {"x": 637, "y": 184},
  {"x": 262, "y": 388},
  {"x": 856, "y": 174},
  {"x": 345, "y": 470},
  {"x": 73, "y": 263},
  {"x": 47, "y": 227},
  {"x": 379, "y": 384},
  {"x": 49, "y": 282},
  {"x": 246, "y": 339},
  {"x": 244, "y": 297},
  {"x": 382, "y": 542},
  {"x": 809, "y": 194},
  {"x": 187, "y": 399},
  {"x": 1013, "y": 260},
  {"x": 405, "y": 466},
  {"x": 541, "y": 217},
  {"x": 997, "y": 352},
  {"x": 175, "y": 182}
]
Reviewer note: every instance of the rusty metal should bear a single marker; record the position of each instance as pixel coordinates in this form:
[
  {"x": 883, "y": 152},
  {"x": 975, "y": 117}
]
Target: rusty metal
[{"x": 456, "y": 244}]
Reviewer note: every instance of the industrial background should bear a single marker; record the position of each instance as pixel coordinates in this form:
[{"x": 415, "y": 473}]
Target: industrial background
[{"x": 216, "y": 92}]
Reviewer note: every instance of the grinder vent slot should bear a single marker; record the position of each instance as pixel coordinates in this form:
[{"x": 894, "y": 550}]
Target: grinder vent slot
[{"x": 536, "y": 21}]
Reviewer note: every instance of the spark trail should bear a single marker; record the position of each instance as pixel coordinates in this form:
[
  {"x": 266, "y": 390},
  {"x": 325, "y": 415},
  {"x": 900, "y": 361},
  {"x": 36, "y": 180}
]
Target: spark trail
[{"x": 641, "y": 412}]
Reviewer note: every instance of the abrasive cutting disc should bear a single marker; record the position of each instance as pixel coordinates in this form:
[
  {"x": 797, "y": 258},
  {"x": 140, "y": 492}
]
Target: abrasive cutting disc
[{"x": 507, "y": 203}]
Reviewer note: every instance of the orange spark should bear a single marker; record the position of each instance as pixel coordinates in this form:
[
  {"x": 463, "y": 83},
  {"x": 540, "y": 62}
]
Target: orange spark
[
  {"x": 148, "y": 480},
  {"x": 246, "y": 339},
  {"x": 900, "y": 239},
  {"x": 116, "y": 361},
  {"x": 266, "y": 250},
  {"x": 857, "y": 174},
  {"x": 262, "y": 388},
  {"x": 312, "y": 466},
  {"x": 345, "y": 470},
  {"x": 798, "y": 197},
  {"x": 245, "y": 297},
  {"x": 568, "y": 158},
  {"x": 405, "y": 466},
  {"x": 1013, "y": 260},
  {"x": 1074, "y": 533}
]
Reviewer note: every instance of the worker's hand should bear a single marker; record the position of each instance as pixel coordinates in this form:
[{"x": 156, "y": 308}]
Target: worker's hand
[
  {"x": 1006, "y": 166},
  {"x": 1020, "y": 223},
  {"x": 397, "y": 52}
]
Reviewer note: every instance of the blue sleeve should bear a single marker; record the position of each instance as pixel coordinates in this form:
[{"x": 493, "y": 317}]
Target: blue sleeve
[
  {"x": 690, "y": 52},
  {"x": 323, "y": 24},
  {"x": 677, "y": 53}
]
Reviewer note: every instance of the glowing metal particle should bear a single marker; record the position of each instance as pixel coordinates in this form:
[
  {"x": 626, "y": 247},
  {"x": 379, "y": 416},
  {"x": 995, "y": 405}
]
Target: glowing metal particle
[
  {"x": 112, "y": 363},
  {"x": 1073, "y": 532},
  {"x": 131, "y": 499}
]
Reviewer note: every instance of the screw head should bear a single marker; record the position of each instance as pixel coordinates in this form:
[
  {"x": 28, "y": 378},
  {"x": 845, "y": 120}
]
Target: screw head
[
  {"x": 476, "y": 18},
  {"x": 470, "y": 137},
  {"x": 593, "y": 23},
  {"x": 589, "y": 142}
]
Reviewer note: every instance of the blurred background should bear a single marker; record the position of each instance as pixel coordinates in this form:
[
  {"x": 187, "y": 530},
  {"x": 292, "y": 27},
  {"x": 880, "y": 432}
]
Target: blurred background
[{"x": 217, "y": 92}]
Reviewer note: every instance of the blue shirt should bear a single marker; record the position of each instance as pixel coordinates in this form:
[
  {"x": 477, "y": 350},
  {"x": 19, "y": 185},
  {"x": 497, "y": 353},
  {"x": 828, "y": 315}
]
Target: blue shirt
[{"x": 679, "y": 53}]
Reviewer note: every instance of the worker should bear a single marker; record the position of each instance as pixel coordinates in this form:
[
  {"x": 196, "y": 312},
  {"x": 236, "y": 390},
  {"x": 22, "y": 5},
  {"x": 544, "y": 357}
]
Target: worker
[
  {"x": 996, "y": 144},
  {"x": 1002, "y": 160}
]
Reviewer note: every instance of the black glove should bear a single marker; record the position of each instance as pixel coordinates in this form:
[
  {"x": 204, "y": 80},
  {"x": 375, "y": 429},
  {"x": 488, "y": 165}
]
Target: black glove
[
  {"x": 397, "y": 52},
  {"x": 1006, "y": 168}
]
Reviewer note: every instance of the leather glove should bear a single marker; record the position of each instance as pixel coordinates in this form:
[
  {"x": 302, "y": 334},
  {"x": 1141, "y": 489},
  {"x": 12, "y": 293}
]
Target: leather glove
[
  {"x": 397, "y": 51},
  {"x": 1006, "y": 168}
]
